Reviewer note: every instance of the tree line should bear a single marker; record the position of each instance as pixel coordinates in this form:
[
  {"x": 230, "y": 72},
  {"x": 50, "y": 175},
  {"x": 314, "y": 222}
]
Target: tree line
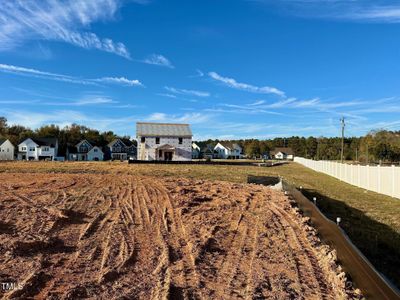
[{"x": 376, "y": 146}]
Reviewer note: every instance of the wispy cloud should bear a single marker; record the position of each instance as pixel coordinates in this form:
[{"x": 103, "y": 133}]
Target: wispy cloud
[
  {"x": 121, "y": 125},
  {"x": 385, "y": 14},
  {"x": 244, "y": 86},
  {"x": 187, "y": 92},
  {"x": 380, "y": 11},
  {"x": 199, "y": 73},
  {"x": 22, "y": 71},
  {"x": 120, "y": 80},
  {"x": 65, "y": 21},
  {"x": 167, "y": 95},
  {"x": 158, "y": 60},
  {"x": 193, "y": 118}
]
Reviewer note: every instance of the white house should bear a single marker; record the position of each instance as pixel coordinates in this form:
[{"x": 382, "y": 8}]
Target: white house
[
  {"x": 164, "y": 141},
  {"x": 282, "y": 153},
  {"x": 195, "y": 151},
  {"x": 38, "y": 149},
  {"x": 228, "y": 150},
  {"x": 95, "y": 154},
  {"x": 6, "y": 150}
]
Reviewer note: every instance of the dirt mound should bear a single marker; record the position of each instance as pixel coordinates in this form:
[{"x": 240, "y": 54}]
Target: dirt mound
[{"x": 70, "y": 236}]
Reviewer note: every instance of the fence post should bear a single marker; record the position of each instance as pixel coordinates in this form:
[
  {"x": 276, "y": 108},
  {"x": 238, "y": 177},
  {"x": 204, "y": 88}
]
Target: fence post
[
  {"x": 379, "y": 178},
  {"x": 393, "y": 180}
]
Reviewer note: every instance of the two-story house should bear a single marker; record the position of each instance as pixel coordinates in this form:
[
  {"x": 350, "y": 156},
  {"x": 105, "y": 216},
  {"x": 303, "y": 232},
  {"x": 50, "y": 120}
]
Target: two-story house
[
  {"x": 196, "y": 151},
  {"x": 121, "y": 149},
  {"x": 6, "y": 150},
  {"x": 85, "y": 151},
  {"x": 164, "y": 141},
  {"x": 38, "y": 149},
  {"x": 228, "y": 150}
]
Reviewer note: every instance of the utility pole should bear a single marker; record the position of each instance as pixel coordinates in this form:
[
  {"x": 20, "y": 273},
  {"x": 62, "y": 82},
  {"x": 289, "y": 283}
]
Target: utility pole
[
  {"x": 343, "y": 125},
  {"x": 357, "y": 154}
]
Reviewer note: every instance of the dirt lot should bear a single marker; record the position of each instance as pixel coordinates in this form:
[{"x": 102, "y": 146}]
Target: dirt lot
[{"x": 72, "y": 236}]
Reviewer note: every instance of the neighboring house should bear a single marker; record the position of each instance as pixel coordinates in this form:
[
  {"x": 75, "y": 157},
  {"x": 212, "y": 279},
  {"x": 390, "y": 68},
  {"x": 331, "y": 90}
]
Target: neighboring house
[
  {"x": 228, "y": 150},
  {"x": 282, "y": 153},
  {"x": 121, "y": 149},
  {"x": 95, "y": 154},
  {"x": 209, "y": 152},
  {"x": 80, "y": 151},
  {"x": 6, "y": 150},
  {"x": 38, "y": 149},
  {"x": 164, "y": 141},
  {"x": 196, "y": 151},
  {"x": 84, "y": 151}
]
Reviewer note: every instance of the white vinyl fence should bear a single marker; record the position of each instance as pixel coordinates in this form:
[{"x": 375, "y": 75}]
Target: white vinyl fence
[{"x": 384, "y": 180}]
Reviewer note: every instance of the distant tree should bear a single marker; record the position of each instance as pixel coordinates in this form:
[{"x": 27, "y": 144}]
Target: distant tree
[
  {"x": 3, "y": 126},
  {"x": 252, "y": 149}
]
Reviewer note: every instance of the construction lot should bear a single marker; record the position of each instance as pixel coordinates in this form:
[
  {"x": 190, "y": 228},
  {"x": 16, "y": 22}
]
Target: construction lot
[{"x": 91, "y": 232}]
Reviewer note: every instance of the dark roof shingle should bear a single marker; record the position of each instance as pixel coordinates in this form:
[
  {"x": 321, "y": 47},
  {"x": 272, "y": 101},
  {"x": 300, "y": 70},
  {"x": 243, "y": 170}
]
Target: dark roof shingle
[{"x": 163, "y": 129}]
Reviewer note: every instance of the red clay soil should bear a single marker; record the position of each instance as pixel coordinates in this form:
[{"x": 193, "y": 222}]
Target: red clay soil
[{"x": 74, "y": 236}]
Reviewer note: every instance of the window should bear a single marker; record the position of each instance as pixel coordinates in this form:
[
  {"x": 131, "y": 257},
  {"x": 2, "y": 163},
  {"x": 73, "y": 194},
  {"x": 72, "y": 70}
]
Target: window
[
  {"x": 157, "y": 140},
  {"x": 31, "y": 148},
  {"x": 8, "y": 149},
  {"x": 180, "y": 141},
  {"x": 143, "y": 139},
  {"x": 46, "y": 149},
  {"x": 23, "y": 148},
  {"x": 95, "y": 150}
]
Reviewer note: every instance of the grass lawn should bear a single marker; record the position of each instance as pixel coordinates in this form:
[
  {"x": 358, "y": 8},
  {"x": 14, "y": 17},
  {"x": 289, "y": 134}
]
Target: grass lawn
[{"x": 371, "y": 220}]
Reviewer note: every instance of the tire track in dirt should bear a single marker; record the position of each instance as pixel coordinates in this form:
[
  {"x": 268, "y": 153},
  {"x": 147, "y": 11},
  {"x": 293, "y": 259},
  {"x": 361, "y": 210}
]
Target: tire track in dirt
[
  {"x": 310, "y": 273},
  {"x": 129, "y": 237}
]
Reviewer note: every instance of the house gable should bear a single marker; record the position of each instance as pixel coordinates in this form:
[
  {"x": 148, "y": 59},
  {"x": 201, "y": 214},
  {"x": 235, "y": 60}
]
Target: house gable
[{"x": 83, "y": 146}]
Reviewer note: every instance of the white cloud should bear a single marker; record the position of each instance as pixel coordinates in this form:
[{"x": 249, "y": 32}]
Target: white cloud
[
  {"x": 199, "y": 73},
  {"x": 120, "y": 80},
  {"x": 158, "y": 60},
  {"x": 167, "y": 95},
  {"x": 187, "y": 92},
  {"x": 192, "y": 118},
  {"x": 244, "y": 86},
  {"x": 379, "y": 11},
  {"x": 92, "y": 100},
  {"x": 385, "y": 14},
  {"x": 121, "y": 125},
  {"x": 21, "y": 21},
  {"x": 66, "y": 78}
]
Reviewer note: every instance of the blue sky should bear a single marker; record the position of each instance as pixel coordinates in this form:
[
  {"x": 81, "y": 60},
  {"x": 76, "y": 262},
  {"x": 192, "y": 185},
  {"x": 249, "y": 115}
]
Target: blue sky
[{"x": 231, "y": 68}]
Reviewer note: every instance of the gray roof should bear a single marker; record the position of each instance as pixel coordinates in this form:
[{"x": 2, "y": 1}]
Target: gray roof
[
  {"x": 51, "y": 142},
  {"x": 286, "y": 150},
  {"x": 230, "y": 145},
  {"x": 163, "y": 129}
]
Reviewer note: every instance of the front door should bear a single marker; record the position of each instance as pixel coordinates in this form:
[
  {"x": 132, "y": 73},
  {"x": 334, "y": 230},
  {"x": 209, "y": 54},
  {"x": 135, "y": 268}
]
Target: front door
[{"x": 167, "y": 155}]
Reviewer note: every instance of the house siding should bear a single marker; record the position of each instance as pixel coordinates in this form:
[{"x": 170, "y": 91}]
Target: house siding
[
  {"x": 148, "y": 149},
  {"x": 225, "y": 153},
  {"x": 29, "y": 150},
  {"x": 95, "y": 156},
  {"x": 7, "y": 151}
]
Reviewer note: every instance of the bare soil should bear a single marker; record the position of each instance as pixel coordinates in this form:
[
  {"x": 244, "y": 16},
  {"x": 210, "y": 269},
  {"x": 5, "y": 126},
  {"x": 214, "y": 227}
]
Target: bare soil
[{"x": 119, "y": 236}]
